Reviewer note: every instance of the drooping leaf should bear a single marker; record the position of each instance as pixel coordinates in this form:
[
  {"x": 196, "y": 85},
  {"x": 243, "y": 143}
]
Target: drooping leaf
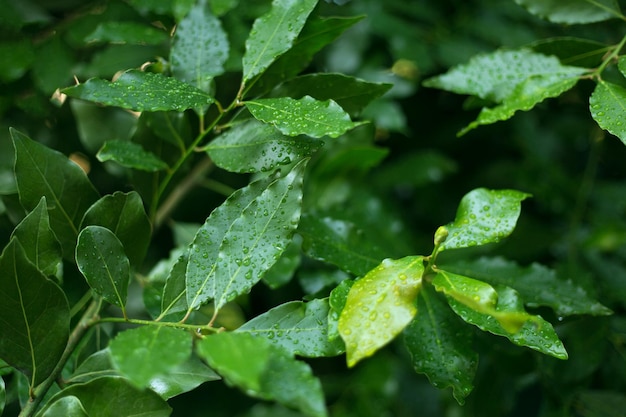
[
  {"x": 101, "y": 259},
  {"x": 379, "y": 306},
  {"x": 127, "y": 32},
  {"x": 607, "y": 104},
  {"x": 440, "y": 345},
  {"x": 41, "y": 171},
  {"x": 199, "y": 48},
  {"x": 264, "y": 371},
  {"x": 125, "y": 216},
  {"x": 340, "y": 243},
  {"x": 298, "y": 327},
  {"x": 130, "y": 155},
  {"x": 573, "y": 11},
  {"x": 114, "y": 396},
  {"x": 34, "y": 316},
  {"x": 250, "y": 244},
  {"x": 305, "y": 116},
  {"x": 146, "y": 352},
  {"x": 69, "y": 406},
  {"x": 141, "y": 91},
  {"x": 273, "y": 34},
  {"x": 39, "y": 243},
  {"x": 564, "y": 297},
  {"x": 484, "y": 216},
  {"x": 253, "y": 146}
]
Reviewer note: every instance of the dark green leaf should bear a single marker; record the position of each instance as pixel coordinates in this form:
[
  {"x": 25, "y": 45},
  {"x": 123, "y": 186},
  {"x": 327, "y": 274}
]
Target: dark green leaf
[
  {"x": 573, "y": 11},
  {"x": 565, "y": 297},
  {"x": 174, "y": 298},
  {"x": 95, "y": 366},
  {"x": 416, "y": 169},
  {"x": 283, "y": 270},
  {"x": 34, "y": 316},
  {"x": 15, "y": 59},
  {"x": 579, "y": 52},
  {"x": 253, "y": 146},
  {"x": 97, "y": 124},
  {"x": 124, "y": 215},
  {"x": 264, "y": 371},
  {"x": 141, "y": 91},
  {"x": 299, "y": 328},
  {"x": 608, "y": 106},
  {"x": 336, "y": 302},
  {"x": 484, "y": 216},
  {"x": 53, "y": 66},
  {"x": 39, "y": 243},
  {"x": 598, "y": 403},
  {"x": 41, "y": 171},
  {"x": 101, "y": 259},
  {"x": 130, "y": 155},
  {"x": 69, "y": 406},
  {"x": 379, "y": 306},
  {"x": 3, "y": 395},
  {"x": 127, "y": 32},
  {"x": 305, "y": 116},
  {"x": 273, "y": 34},
  {"x": 440, "y": 345},
  {"x": 148, "y": 352},
  {"x": 199, "y": 48}
]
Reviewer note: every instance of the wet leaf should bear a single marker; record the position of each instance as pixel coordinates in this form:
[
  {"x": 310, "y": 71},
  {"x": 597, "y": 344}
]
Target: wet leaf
[
  {"x": 573, "y": 11},
  {"x": 305, "y": 116},
  {"x": 273, "y": 34},
  {"x": 379, "y": 306},
  {"x": 147, "y": 352},
  {"x": 34, "y": 316},
  {"x": 298, "y": 327},
  {"x": 579, "y": 52},
  {"x": 199, "y": 48},
  {"x": 127, "y": 32},
  {"x": 69, "y": 406},
  {"x": 101, "y": 259},
  {"x": 141, "y": 91},
  {"x": 174, "y": 298},
  {"x": 264, "y": 371},
  {"x": 484, "y": 216},
  {"x": 130, "y": 155},
  {"x": 440, "y": 345},
  {"x": 252, "y": 146},
  {"x": 336, "y": 302},
  {"x": 608, "y": 106},
  {"x": 283, "y": 270}
]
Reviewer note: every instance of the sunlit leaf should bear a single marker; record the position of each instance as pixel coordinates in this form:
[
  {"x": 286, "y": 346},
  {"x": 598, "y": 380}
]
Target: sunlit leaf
[
  {"x": 305, "y": 116},
  {"x": 573, "y": 11},
  {"x": 379, "y": 306},
  {"x": 69, "y": 406},
  {"x": 130, "y": 155},
  {"x": 264, "y": 371},
  {"x": 127, "y": 32},
  {"x": 298, "y": 327},
  {"x": 608, "y": 107}
]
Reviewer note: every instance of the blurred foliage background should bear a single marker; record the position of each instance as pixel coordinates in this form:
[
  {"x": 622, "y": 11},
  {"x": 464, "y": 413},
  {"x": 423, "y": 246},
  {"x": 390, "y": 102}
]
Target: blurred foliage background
[{"x": 402, "y": 186}]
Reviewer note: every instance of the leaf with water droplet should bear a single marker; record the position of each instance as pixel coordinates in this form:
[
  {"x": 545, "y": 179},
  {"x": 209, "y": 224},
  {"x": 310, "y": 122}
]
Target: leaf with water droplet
[
  {"x": 607, "y": 105},
  {"x": 484, "y": 216},
  {"x": 379, "y": 306},
  {"x": 130, "y": 155},
  {"x": 440, "y": 345},
  {"x": 337, "y": 301},
  {"x": 573, "y": 11}
]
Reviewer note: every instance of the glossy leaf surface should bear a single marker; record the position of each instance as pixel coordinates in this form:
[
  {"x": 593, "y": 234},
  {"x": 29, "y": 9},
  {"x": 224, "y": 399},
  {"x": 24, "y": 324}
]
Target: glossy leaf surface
[
  {"x": 253, "y": 146},
  {"x": 305, "y": 116},
  {"x": 572, "y": 11},
  {"x": 141, "y": 91},
  {"x": 130, "y": 155},
  {"x": 34, "y": 316},
  {"x": 264, "y": 371},
  {"x": 608, "y": 106},
  {"x": 69, "y": 406},
  {"x": 273, "y": 34},
  {"x": 337, "y": 302},
  {"x": 101, "y": 259},
  {"x": 127, "y": 32},
  {"x": 379, "y": 306},
  {"x": 298, "y": 327},
  {"x": 483, "y": 216},
  {"x": 440, "y": 345}
]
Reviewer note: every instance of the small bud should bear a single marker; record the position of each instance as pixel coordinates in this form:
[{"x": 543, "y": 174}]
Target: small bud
[{"x": 441, "y": 235}]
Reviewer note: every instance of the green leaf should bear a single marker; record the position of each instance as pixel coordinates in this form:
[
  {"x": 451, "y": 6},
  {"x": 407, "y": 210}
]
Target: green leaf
[
  {"x": 41, "y": 171},
  {"x": 285, "y": 267},
  {"x": 440, "y": 345},
  {"x": 39, "y": 243},
  {"x": 147, "y": 352},
  {"x": 573, "y": 11},
  {"x": 252, "y": 146},
  {"x": 608, "y": 106},
  {"x": 252, "y": 243},
  {"x": 34, "y": 316},
  {"x": 174, "y": 298},
  {"x": 101, "y": 259},
  {"x": 305, "y": 116},
  {"x": 53, "y": 66},
  {"x": 182, "y": 378},
  {"x": 264, "y": 371},
  {"x": 352, "y": 94},
  {"x": 500, "y": 313},
  {"x": 125, "y": 216},
  {"x": 199, "y": 48},
  {"x": 114, "y": 396},
  {"x": 130, "y": 155},
  {"x": 3, "y": 395},
  {"x": 379, "y": 306},
  {"x": 69, "y": 406},
  {"x": 579, "y": 52},
  {"x": 298, "y": 327},
  {"x": 564, "y": 297},
  {"x": 15, "y": 59},
  {"x": 141, "y": 91},
  {"x": 273, "y": 34},
  {"x": 95, "y": 366},
  {"x": 340, "y": 243},
  {"x": 127, "y": 32},
  {"x": 484, "y": 216},
  {"x": 337, "y": 302}
]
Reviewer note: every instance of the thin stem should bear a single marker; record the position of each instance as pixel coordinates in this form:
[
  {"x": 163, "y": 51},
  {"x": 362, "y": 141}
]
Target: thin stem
[
  {"x": 217, "y": 186},
  {"x": 614, "y": 53},
  {"x": 177, "y": 325},
  {"x": 81, "y": 303}
]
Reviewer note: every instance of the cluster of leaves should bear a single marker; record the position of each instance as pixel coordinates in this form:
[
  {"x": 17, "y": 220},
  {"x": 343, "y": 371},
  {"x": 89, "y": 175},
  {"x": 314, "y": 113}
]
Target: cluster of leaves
[{"x": 237, "y": 108}]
